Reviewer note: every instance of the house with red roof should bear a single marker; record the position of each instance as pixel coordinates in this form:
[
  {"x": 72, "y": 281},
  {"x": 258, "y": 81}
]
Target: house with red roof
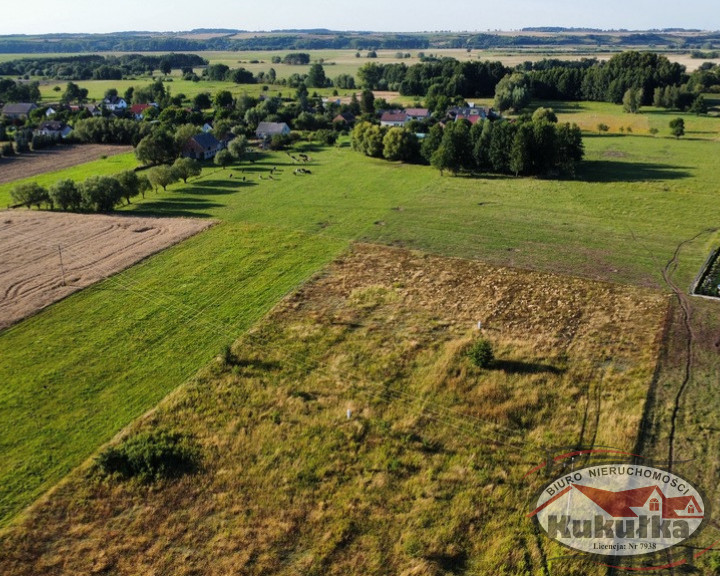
[
  {"x": 395, "y": 118},
  {"x": 420, "y": 114},
  {"x": 137, "y": 110}
]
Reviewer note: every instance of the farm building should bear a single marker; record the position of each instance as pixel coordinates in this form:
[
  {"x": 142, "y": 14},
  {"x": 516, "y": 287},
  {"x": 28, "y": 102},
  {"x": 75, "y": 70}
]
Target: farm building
[
  {"x": 202, "y": 147},
  {"x": 19, "y": 110},
  {"x": 270, "y": 129}
]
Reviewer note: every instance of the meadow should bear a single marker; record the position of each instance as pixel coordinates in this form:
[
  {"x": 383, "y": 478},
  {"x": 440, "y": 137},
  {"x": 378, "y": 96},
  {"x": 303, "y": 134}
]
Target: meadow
[
  {"x": 102, "y": 167},
  {"x": 635, "y": 200}
]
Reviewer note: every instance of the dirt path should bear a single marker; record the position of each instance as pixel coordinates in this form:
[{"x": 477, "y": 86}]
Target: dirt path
[
  {"x": 41, "y": 161},
  {"x": 48, "y": 256}
]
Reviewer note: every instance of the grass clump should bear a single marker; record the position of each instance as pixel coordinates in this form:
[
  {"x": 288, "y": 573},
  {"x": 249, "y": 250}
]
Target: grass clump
[
  {"x": 151, "y": 456},
  {"x": 481, "y": 353}
]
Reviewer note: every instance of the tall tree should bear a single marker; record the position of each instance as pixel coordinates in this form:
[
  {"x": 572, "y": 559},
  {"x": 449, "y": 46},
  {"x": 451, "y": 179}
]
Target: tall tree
[
  {"x": 158, "y": 147},
  {"x": 400, "y": 144},
  {"x": 316, "y": 76},
  {"x": 367, "y": 102},
  {"x": 513, "y": 92}
]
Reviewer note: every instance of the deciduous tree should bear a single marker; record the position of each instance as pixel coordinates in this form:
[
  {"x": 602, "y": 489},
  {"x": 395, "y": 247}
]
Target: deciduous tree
[{"x": 186, "y": 168}]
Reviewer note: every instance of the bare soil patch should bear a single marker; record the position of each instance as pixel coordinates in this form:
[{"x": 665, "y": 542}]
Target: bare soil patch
[
  {"x": 41, "y": 161},
  {"x": 47, "y": 256}
]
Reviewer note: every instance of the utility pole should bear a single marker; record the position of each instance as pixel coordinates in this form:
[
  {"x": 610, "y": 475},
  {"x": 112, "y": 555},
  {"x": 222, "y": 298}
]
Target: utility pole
[{"x": 62, "y": 267}]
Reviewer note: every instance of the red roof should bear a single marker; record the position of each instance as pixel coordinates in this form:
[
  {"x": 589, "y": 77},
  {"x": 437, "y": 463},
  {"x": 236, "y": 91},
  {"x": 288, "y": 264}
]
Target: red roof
[
  {"x": 620, "y": 504},
  {"x": 417, "y": 112},
  {"x": 393, "y": 117},
  {"x": 473, "y": 118},
  {"x": 139, "y": 108}
]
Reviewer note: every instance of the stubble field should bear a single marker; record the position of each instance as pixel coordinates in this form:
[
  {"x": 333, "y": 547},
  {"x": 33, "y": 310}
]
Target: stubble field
[{"x": 48, "y": 256}]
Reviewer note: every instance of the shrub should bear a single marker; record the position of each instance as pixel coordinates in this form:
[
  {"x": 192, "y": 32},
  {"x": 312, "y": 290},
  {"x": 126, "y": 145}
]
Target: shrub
[
  {"x": 481, "y": 353},
  {"x": 151, "y": 456}
]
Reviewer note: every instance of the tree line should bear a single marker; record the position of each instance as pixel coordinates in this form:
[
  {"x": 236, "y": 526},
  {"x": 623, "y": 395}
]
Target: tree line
[
  {"x": 447, "y": 80},
  {"x": 337, "y": 40},
  {"x": 532, "y": 145},
  {"x": 87, "y": 67},
  {"x": 95, "y": 194},
  {"x": 11, "y": 91}
]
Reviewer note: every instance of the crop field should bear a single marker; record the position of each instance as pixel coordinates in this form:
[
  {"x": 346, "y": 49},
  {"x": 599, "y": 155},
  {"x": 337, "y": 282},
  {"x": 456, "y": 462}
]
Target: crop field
[
  {"x": 60, "y": 163},
  {"x": 425, "y": 471},
  {"x": 30, "y": 166},
  {"x": 48, "y": 256}
]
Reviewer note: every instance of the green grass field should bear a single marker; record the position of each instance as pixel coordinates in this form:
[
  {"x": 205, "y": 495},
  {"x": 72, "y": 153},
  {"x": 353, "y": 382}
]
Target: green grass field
[
  {"x": 84, "y": 368},
  {"x": 80, "y": 371},
  {"x": 104, "y": 166}
]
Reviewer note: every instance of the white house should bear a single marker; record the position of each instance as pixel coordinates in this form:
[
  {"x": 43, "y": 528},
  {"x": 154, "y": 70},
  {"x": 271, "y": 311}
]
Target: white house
[
  {"x": 115, "y": 104},
  {"x": 54, "y": 129},
  {"x": 417, "y": 114},
  {"x": 270, "y": 129},
  {"x": 393, "y": 118}
]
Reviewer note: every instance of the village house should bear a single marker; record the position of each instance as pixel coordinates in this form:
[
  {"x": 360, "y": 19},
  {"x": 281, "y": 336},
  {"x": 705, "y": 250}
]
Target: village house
[
  {"x": 344, "y": 118},
  {"x": 202, "y": 147},
  {"x": 115, "y": 104},
  {"x": 420, "y": 114},
  {"x": 138, "y": 110},
  {"x": 472, "y": 114},
  {"x": 270, "y": 129},
  {"x": 54, "y": 129},
  {"x": 91, "y": 108},
  {"x": 394, "y": 118},
  {"x": 19, "y": 110}
]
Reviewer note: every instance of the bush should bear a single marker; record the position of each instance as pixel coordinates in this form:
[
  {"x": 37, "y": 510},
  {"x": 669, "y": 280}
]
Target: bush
[
  {"x": 151, "y": 456},
  {"x": 481, "y": 353}
]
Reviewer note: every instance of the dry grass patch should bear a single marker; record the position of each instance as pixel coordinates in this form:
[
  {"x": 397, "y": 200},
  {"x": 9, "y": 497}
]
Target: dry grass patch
[{"x": 423, "y": 475}]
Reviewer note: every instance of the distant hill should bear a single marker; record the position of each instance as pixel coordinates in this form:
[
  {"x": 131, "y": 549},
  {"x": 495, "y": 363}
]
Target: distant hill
[{"x": 201, "y": 39}]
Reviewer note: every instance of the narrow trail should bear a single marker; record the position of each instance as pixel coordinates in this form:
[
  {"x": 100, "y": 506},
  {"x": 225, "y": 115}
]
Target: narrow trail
[{"x": 686, "y": 309}]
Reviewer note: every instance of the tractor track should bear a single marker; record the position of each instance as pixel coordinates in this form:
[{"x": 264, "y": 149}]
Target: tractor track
[{"x": 686, "y": 309}]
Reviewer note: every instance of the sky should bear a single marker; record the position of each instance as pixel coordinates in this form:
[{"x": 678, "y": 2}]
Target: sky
[{"x": 95, "y": 16}]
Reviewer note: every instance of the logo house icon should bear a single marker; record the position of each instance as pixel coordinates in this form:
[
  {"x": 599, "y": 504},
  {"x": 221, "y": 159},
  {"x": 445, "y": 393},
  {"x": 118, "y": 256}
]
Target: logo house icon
[{"x": 619, "y": 510}]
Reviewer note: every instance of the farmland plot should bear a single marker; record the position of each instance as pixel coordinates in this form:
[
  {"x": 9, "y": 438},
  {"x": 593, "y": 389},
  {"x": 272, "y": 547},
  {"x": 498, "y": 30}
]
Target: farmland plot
[
  {"x": 347, "y": 433},
  {"x": 47, "y": 256}
]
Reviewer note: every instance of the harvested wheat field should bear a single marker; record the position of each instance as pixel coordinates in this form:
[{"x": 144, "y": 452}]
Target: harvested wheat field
[
  {"x": 52, "y": 159},
  {"x": 46, "y": 256},
  {"x": 348, "y": 432}
]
